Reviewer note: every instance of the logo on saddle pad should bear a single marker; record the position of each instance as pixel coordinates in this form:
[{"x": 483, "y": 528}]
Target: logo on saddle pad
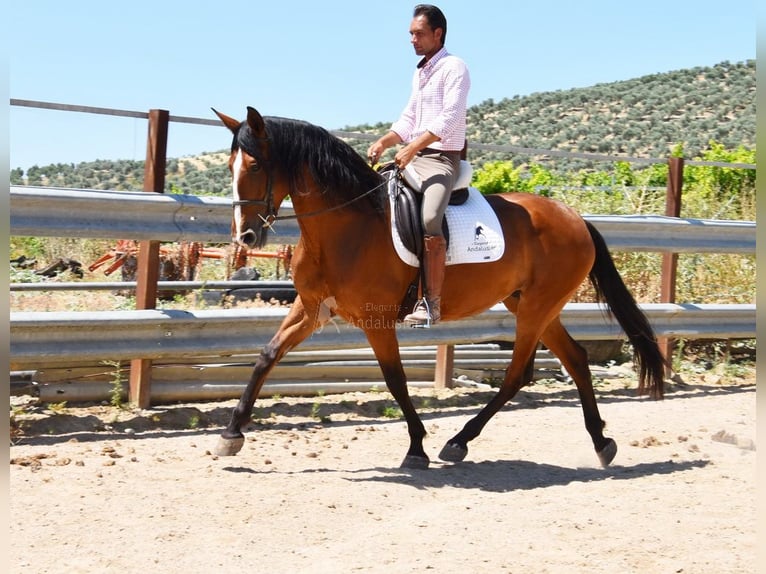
[
  {"x": 472, "y": 228},
  {"x": 481, "y": 242}
]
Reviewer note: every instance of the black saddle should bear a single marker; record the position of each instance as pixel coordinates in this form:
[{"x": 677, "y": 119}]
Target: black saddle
[{"x": 408, "y": 200}]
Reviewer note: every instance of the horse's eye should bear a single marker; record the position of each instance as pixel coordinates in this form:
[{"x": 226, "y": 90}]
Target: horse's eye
[{"x": 255, "y": 167}]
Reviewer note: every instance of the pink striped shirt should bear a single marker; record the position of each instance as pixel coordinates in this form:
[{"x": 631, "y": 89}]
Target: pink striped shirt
[{"x": 437, "y": 103}]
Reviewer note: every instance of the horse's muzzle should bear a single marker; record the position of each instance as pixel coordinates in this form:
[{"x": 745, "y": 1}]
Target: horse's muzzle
[
  {"x": 252, "y": 238},
  {"x": 247, "y": 239}
]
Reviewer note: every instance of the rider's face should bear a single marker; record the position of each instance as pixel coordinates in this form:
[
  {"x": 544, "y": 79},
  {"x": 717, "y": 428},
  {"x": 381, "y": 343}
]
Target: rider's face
[{"x": 425, "y": 40}]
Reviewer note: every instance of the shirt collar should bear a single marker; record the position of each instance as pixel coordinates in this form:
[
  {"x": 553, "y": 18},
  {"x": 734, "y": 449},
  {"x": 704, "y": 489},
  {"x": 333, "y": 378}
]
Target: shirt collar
[{"x": 435, "y": 58}]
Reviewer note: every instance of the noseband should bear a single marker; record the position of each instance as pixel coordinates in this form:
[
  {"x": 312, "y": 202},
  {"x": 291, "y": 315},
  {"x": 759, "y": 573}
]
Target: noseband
[{"x": 268, "y": 203}]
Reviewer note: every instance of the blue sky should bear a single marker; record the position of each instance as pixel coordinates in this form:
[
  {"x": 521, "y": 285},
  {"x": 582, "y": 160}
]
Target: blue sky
[{"x": 336, "y": 64}]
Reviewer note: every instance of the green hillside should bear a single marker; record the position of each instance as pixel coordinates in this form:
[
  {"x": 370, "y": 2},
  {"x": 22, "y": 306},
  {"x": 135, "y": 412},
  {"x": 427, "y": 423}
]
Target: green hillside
[{"x": 642, "y": 117}]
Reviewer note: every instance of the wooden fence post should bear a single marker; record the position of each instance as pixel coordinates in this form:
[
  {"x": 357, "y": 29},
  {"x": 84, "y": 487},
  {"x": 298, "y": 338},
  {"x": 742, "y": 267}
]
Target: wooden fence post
[
  {"x": 149, "y": 251},
  {"x": 670, "y": 260}
]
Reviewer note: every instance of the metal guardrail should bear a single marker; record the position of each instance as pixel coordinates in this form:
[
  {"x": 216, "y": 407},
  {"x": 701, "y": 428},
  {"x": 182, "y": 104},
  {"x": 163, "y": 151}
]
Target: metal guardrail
[
  {"x": 58, "y": 212},
  {"x": 676, "y": 235},
  {"x": 299, "y": 373},
  {"x": 38, "y": 339},
  {"x": 103, "y": 214}
]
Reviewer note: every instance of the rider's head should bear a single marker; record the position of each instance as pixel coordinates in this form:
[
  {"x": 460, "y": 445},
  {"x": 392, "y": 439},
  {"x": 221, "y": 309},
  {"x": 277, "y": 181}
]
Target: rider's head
[{"x": 434, "y": 16}]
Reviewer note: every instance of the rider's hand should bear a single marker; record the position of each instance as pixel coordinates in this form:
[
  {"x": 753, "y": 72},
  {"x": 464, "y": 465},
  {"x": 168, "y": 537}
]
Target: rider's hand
[
  {"x": 374, "y": 152},
  {"x": 404, "y": 156}
]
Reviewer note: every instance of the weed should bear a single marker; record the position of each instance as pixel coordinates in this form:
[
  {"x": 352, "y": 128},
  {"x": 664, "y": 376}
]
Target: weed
[
  {"x": 391, "y": 412},
  {"x": 57, "y": 408},
  {"x": 735, "y": 370},
  {"x": 116, "y": 392},
  {"x": 258, "y": 414},
  {"x": 126, "y": 304},
  {"x": 315, "y": 410}
]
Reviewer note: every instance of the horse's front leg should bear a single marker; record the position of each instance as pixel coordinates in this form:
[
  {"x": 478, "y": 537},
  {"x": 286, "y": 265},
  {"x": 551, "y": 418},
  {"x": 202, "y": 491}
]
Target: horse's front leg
[
  {"x": 386, "y": 348},
  {"x": 297, "y": 325}
]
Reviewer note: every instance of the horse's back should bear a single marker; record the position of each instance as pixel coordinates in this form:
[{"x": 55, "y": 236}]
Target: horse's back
[
  {"x": 538, "y": 206},
  {"x": 543, "y": 216},
  {"x": 544, "y": 232},
  {"x": 548, "y": 254}
]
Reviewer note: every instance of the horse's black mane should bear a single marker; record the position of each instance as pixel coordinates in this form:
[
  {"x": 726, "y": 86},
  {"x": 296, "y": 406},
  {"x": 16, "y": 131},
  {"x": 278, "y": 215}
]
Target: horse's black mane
[{"x": 333, "y": 164}]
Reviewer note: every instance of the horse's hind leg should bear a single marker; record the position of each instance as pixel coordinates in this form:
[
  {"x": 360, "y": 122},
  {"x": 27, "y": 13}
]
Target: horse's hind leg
[
  {"x": 529, "y": 370},
  {"x": 297, "y": 325},
  {"x": 517, "y": 375},
  {"x": 575, "y": 360}
]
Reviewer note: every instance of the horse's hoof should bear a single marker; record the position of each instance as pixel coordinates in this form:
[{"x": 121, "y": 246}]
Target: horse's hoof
[
  {"x": 453, "y": 452},
  {"x": 415, "y": 462},
  {"x": 606, "y": 455},
  {"x": 228, "y": 446}
]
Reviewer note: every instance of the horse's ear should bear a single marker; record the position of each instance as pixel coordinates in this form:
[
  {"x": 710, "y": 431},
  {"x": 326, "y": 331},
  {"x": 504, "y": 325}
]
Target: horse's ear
[
  {"x": 230, "y": 123},
  {"x": 255, "y": 121}
]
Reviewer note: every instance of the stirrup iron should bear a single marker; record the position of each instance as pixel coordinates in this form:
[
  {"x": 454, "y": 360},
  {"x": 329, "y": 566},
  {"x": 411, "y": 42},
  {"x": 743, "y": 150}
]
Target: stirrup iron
[{"x": 429, "y": 319}]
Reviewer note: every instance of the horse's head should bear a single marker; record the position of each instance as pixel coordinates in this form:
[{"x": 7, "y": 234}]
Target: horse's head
[{"x": 252, "y": 179}]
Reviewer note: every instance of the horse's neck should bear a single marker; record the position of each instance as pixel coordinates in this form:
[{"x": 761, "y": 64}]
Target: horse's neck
[{"x": 330, "y": 233}]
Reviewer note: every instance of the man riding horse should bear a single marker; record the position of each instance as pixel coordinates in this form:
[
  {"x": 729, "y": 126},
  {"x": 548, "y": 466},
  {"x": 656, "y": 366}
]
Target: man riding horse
[{"x": 432, "y": 126}]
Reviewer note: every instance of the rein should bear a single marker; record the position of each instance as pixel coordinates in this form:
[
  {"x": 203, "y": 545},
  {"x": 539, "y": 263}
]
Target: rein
[{"x": 271, "y": 211}]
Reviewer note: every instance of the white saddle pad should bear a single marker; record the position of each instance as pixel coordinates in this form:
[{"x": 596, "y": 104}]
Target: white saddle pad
[{"x": 475, "y": 235}]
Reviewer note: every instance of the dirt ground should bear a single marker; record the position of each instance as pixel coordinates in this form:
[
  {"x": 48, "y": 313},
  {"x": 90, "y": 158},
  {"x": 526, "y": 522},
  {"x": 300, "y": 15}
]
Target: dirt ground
[{"x": 317, "y": 486}]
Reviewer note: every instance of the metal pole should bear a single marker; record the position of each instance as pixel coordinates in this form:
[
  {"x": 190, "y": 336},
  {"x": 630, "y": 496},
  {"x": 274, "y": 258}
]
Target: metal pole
[{"x": 148, "y": 270}]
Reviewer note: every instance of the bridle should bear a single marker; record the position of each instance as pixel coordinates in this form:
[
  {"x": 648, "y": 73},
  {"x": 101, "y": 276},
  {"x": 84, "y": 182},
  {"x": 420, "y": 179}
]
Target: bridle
[
  {"x": 271, "y": 211},
  {"x": 268, "y": 201}
]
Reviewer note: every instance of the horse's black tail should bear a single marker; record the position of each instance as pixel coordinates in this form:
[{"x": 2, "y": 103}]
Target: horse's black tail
[{"x": 611, "y": 289}]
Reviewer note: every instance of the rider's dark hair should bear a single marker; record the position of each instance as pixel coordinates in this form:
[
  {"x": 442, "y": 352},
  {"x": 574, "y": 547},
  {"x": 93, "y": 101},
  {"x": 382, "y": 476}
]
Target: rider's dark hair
[{"x": 435, "y": 17}]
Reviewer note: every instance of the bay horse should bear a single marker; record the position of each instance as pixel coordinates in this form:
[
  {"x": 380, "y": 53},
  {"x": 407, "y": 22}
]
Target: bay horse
[{"x": 345, "y": 264}]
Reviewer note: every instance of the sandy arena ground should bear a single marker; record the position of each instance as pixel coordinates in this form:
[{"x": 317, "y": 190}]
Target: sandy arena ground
[{"x": 317, "y": 486}]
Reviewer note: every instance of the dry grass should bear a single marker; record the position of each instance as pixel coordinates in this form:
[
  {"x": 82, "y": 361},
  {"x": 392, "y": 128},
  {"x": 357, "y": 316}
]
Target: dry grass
[
  {"x": 113, "y": 301},
  {"x": 701, "y": 278},
  {"x": 88, "y": 251}
]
